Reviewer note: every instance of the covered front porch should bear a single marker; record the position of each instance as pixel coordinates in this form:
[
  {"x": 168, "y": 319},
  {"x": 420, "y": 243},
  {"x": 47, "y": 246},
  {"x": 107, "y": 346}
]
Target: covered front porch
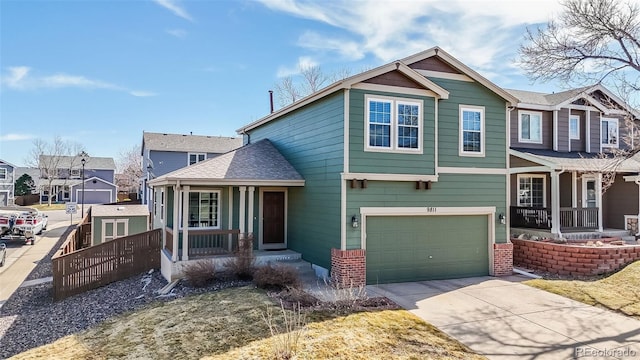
[
  {"x": 214, "y": 208},
  {"x": 571, "y": 193}
]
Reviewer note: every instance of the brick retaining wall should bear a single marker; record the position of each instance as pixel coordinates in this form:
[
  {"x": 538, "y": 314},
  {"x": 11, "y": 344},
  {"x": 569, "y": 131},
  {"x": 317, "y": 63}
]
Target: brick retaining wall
[
  {"x": 575, "y": 260},
  {"x": 348, "y": 267}
]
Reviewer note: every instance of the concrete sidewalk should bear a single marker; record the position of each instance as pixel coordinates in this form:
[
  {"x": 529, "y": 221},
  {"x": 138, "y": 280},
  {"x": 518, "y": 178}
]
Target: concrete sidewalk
[
  {"x": 23, "y": 261},
  {"x": 503, "y": 319}
]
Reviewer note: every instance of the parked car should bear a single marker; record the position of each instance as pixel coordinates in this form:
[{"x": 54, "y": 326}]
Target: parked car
[{"x": 3, "y": 254}]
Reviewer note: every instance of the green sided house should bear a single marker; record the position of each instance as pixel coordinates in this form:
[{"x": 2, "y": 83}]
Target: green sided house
[{"x": 395, "y": 174}]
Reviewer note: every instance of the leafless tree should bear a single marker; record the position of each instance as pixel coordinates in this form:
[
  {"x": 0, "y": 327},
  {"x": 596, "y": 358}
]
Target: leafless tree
[
  {"x": 309, "y": 80},
  {"x": 592, "y": 42},
  {"x": 129, "y": 166},
  {"x": 54, "y": 160}
]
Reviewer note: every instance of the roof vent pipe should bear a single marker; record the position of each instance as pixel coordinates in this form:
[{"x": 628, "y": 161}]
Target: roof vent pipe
[{"x": 271, "y": 100}]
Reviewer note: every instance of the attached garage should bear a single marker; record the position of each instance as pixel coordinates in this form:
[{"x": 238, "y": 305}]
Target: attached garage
[
  {"x": 96, "y": 196},
  {"x": 415, "y": 248}
]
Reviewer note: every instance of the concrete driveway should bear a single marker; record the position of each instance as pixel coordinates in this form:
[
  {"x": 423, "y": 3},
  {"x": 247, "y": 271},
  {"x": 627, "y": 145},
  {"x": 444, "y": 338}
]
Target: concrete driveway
[{"x": 503, "y": 319}]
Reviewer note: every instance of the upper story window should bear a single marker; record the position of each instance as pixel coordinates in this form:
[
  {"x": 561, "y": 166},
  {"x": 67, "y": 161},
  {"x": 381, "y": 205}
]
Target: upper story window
[
  {"x": 394, "y": 125},
  {"x": 609, "y": 132},
  {"x": 530, "y": 127},
  {"x": 196, "y": 157},
  {"x": 574, "y": 127},
  {"x": 74, "y": 173},
  {"x": 3, "y": 174},
  {"x": 471, "y": 130}
]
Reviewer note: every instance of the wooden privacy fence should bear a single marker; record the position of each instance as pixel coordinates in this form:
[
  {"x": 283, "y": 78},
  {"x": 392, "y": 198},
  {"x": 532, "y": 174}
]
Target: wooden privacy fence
[{"x": 99, "y": 265}]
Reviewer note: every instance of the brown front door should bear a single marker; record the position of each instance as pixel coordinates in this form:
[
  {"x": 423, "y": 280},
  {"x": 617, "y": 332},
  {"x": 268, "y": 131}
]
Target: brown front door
[{"x": 273, "y": 216}]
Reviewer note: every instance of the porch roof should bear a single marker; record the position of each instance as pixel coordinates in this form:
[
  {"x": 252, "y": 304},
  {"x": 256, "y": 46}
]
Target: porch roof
[
  {"x": 258, "y": 163},
  {"x": 577, "y": 161}
]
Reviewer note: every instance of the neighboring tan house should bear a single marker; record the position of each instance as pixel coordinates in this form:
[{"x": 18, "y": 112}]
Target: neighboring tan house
[
  {"x": 399, "y": 173},
  {"x": 163, "y": 153},
  {"x": 66, "y": 180},
  {"x": 7, "y": 183},
  {"x": 558, "y": 158}
]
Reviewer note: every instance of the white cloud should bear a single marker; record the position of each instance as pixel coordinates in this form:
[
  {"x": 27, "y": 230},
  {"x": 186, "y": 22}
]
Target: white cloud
[
  {"x": 179, "y": 33},
  {"x": 172, "y": 5},
  {"x": 21, "y": 78},
  {"x": 478, "y": 32},
  {"x": 140, "y": 93},
  {"x": 16, "y": 137},
  {"x": 303, "y": 63}
]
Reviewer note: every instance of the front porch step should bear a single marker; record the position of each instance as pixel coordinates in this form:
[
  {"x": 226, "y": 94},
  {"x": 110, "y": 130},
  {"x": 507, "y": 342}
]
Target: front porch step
[{"x": 630, "y": 239}]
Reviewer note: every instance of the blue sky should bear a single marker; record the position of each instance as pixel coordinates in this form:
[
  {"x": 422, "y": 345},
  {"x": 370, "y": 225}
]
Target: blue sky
[{"x": 102, "y": 72}]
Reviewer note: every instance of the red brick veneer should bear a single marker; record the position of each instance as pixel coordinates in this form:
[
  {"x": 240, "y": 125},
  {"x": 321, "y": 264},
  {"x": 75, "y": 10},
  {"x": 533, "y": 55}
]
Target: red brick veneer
[
  {"x": 572, "y": 259},
  {"x": 348, "y": 267},
  {"x": 502, "y": 259}
]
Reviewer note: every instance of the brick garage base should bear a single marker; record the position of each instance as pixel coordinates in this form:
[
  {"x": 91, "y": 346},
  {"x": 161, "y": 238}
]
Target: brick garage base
[
  {"x": 502, "y": 259},
  {"x": 573, "y": 259},
  {"x": 348, "y": 267}
]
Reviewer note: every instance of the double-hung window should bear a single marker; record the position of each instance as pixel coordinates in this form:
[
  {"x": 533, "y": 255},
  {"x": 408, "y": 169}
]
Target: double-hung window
[
  {"x": 471, "y": 130},
  {"x": 393, "y": 125},
  {"x": 574, "y": 127},
  {"x": 3, "y": 174},
  {"x": 609, "y": 132},
  {"x": 530, "y": 127},
  {"x": 196, "y": 158},
  {"x": 204, "y": 209},
  {"x": 531, "y": 191}
]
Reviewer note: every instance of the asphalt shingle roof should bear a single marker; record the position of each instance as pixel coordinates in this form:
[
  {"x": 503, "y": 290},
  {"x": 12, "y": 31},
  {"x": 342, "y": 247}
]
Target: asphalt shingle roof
[
  {"x": 579, "y": 161},
  {"x": 93, "y": 162},
  {"x": 532, "y": 97},
  {"x": 256, "y": 161},
  {"x": 190, "y": 143}
]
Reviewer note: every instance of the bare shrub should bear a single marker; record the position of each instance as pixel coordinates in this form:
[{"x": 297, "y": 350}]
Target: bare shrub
[
  {"x": 286, "y": 333},
  {"x": 345, "y": 296},
  {"x": 200, "y": 273},
  {"x": 242, "y": 263},
  {"x": 276, "y": 277}
]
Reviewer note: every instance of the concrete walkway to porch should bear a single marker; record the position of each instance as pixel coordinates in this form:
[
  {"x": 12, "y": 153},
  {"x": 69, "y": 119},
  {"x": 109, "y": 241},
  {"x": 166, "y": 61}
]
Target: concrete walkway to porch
[{"x": 501, "y": 318}]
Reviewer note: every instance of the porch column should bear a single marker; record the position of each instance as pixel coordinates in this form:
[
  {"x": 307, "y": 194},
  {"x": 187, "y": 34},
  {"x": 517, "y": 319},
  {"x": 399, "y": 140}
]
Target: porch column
[
  {"x": 252, "y": 189},
  {"x": 555, "y": 203},
  {"x": 599, "y": 200},
  {"x": 230, "y": 226},
  {"x": 242, "y": 211},
  {"x": 574, "y": 195},
  {"x": 164, "y": 217},
  {"x": 176, "y": 224},
  {"x": 185, "y": 223}
]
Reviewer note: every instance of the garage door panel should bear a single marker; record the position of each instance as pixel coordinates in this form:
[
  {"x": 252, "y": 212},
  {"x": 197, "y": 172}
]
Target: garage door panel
[{"x": 409, "y": 248}]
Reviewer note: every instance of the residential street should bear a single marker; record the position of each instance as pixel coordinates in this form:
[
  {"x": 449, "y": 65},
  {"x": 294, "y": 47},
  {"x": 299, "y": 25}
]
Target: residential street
[{"x": 22, "y": 259}]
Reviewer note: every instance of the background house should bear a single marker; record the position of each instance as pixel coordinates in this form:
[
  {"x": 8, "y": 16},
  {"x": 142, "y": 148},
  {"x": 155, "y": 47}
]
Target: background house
[
  {"x": 558, "y": 159},
  {"x": 7, "y": 181},
  {"x": 67, "y": 182},
  {"x": 163, "y": 153},
  {"x": 402, "y": 176}
]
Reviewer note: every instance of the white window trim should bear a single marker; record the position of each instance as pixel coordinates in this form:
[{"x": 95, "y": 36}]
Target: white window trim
[
  {"x": 576, "y": 137},
  {"x": 196, "y": 154},
  {"x": 74, "y": 173},
  {"x": 4, "y": 174},
  {"x": 461, "y": 151},
  {"x": 610, "y": 120},
  {"x": 218, "y": 211},
  {"x": 544, "y": 187},
  {"x": 393, "y": 148},
  {"x": 115, "y": 223},
  {"x": 520, "y": 139}
]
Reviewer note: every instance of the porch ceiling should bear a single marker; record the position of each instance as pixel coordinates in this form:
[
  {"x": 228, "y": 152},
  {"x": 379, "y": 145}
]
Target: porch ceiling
[
  {"x": 257, "y": 164},
  {"x": 576, "y": 161}
]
